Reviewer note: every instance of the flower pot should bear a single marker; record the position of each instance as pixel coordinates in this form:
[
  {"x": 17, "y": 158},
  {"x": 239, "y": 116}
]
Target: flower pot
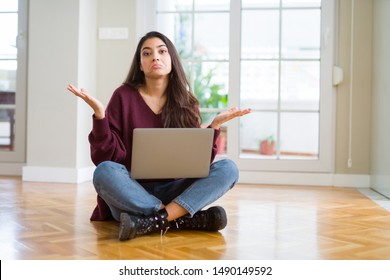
[{"x": 267, "y": 147}]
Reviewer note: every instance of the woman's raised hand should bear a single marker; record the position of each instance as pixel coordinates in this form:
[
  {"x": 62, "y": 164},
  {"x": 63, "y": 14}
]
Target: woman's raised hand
[
  {"x": 95, "y": 104},
  {"x": 228, "y": 115}
]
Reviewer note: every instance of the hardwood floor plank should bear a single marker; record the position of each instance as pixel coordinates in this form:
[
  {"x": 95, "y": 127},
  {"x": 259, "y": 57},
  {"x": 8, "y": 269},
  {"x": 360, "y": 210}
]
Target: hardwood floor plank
[{"x": 51, "y": 221}]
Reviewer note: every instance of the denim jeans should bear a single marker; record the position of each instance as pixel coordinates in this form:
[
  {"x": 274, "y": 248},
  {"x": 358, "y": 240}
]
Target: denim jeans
[{"x": 115, "y": 186}]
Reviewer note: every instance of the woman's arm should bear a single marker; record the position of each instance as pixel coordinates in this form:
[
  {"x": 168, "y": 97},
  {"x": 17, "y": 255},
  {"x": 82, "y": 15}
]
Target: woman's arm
[
  {"x": 95, "y": 104},
  {"x": 227, "y": 116},
  {"x": 221, "y": 119},
  {"x": 104, "y": 139}
]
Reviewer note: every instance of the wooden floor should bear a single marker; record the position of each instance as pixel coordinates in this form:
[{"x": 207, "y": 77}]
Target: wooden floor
[{"x": 51, "y": 221}]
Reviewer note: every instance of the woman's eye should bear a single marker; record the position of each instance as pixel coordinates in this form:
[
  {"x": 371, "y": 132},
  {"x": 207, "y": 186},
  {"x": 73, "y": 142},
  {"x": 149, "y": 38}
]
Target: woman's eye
[{"x": 146, "y": 54}]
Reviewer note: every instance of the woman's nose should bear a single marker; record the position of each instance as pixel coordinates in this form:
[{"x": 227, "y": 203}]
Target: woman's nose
[{"x": 156, "y": 56}]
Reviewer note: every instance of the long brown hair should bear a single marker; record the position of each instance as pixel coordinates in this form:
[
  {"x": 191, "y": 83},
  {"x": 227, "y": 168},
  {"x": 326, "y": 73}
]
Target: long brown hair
[{"x": 181, "y": 108}]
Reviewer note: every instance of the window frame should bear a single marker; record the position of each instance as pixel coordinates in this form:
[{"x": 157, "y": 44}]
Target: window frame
[
  {"x": 17, "y": 155},
  {"x": 146, "y": 21}
]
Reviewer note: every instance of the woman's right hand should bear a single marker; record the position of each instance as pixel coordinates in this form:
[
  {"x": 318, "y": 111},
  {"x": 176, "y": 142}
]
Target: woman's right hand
[{"x": 95, "y": 104}]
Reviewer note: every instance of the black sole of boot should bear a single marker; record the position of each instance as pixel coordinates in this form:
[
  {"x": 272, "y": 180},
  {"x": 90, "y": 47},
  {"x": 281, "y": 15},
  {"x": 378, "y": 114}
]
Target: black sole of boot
[
  {"x": 126, "y": 227},
  {"x": 219, "y": 216}
]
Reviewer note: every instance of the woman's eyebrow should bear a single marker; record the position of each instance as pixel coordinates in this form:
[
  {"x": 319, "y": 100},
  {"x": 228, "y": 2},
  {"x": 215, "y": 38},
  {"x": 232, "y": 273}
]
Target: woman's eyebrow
[{"x": 149, "y": 48}]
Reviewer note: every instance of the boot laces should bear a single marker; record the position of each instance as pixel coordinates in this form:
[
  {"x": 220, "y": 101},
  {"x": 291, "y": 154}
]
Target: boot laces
[
  {"x": 198, "y": 221},
  {"x": 150, "y": 224}
]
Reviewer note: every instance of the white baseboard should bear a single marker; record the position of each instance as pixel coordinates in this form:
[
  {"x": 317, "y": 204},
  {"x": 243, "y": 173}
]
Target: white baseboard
[
  {"x": 57, "y": 174},
  {"x": 79, "y": 175},
  {"x": 305, "y": 179}
]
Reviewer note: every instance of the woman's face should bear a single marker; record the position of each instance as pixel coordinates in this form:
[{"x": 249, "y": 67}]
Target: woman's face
[{"x": 155, "y": 58}]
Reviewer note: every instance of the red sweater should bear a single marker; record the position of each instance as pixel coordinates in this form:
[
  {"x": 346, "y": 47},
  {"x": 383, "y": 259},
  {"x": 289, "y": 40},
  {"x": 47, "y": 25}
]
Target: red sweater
[{"x": 111, "y": 138}]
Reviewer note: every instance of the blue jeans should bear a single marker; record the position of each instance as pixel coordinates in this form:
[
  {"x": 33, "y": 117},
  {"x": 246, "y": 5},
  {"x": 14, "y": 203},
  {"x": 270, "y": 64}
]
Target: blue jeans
[{"x": 115, "y": 186}]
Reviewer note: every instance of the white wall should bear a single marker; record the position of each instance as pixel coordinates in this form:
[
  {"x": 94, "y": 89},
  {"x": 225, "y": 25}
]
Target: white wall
[
  {"x": 62, "y": 44},
  {"x": 87, "y": 72},
  {"x": 114, "y": 56},
  {"x": 380, "y": 132},
  {"x": 360, "y": 76},
  {"x": 64, "y": 48}
]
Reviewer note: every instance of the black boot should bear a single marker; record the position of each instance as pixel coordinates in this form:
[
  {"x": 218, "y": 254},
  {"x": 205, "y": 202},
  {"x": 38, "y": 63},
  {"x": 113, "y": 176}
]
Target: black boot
[
  {"x": 133, "y": 226},
  {"x": 212, "y": 219}
]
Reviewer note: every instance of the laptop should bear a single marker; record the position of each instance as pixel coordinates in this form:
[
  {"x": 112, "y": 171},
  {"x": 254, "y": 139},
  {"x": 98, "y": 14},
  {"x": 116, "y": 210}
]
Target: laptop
[{"x": 162, "y": 153}]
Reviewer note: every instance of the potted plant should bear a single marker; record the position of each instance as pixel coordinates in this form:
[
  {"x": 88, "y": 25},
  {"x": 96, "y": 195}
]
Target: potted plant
[{"x": 267, "y": 146}]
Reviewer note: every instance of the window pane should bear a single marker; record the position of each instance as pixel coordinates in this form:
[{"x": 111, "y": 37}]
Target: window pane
[
  {"x": 212, "y": 5},
  {"x": 8, "y": 31},
  {"x": 299, "y": 135},
  {"x": 301, "y": 33},
  {"x": 301, "y": 3},
  {"x": 6, "y": 127},
  {"x": 207, "y": 117},
  {"x": 10, "y": 128},
  {"x": 7, "y": 104},
  {"x": 260, "y": 34},
  {"x": 256, "y": 129},
  {"x": 174, "y": 5},
  {"x": 211, "y": 84},
  {"x": 213, "y": 44},
  {"x": 260, "y": 3},
  {"x": 177, "y": 27},
  {"x": 300, "y": 85},
  {"x": 9, "y": 6},
  {"x": 259, "y": 84},
  {"x": 8, "y": 75}
]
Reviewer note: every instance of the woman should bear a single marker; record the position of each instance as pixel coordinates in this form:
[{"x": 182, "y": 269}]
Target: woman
[{"x": 155, "y": 94}]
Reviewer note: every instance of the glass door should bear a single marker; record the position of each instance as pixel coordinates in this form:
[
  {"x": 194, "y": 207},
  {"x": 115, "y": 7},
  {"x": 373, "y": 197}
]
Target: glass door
[
  {"x": 285, "y": 60},
  {"x": 13, "y": 26},
  {"x": 274, "y": 56}
]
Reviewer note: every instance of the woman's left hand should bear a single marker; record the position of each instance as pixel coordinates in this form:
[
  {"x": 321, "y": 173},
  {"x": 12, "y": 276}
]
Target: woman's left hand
[{"x": 228, "y": 115}]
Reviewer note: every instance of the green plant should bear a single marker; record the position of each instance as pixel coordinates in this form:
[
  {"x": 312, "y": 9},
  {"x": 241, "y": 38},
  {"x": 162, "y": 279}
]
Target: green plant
[
  {"x": 270, "y": 139},
  {"x": 208, "y": 93}
]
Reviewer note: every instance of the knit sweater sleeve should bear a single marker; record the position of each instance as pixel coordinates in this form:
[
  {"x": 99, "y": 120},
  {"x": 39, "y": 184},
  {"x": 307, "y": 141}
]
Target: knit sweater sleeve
[{"x": 214, "y": 149}]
